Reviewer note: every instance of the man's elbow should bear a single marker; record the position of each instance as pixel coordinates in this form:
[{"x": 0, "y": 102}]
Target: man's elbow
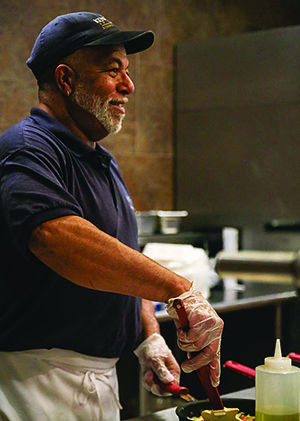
[{"x": 39, "y": 239}]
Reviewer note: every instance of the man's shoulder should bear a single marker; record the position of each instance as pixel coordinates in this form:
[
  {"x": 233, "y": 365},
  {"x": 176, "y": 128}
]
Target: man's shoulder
[
  {"x": 26, "y": 134},
  {"x": 12, "y": 138}
]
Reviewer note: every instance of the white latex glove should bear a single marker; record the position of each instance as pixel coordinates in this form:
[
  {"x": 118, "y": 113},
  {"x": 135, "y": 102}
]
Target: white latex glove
[
  {"x": 157, "y": 362},
  {"x": 203, "y": 336}
]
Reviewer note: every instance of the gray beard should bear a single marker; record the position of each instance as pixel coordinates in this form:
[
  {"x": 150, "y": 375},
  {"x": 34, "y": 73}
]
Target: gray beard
[{"x": 99, "y": 109}]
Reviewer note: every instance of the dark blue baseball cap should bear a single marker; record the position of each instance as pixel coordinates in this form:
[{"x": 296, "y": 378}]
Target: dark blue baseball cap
[{"x": 68, "y": 33}]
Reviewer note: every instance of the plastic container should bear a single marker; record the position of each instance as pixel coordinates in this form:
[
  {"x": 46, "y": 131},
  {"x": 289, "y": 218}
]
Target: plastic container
[
  {"x": 277, "y": 385},
  {"x": 146, "y": 222},
  {"x": 170, "y": 221},
  {"x": 230, "y": 238}
]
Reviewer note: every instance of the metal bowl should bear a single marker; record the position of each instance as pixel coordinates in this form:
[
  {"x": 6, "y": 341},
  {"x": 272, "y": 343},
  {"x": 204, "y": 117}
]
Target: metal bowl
[{"x": 194, "y": 409}]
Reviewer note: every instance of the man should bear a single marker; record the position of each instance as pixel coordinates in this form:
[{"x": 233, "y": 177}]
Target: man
[{"x": 74, "y": 290}]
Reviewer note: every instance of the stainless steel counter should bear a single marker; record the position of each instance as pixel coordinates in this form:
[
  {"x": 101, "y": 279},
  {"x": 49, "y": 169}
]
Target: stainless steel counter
[
  {"x": 253, "y": 294},
  {"x": 250, "y": 294},
  {"x": 165, "y": 415}
]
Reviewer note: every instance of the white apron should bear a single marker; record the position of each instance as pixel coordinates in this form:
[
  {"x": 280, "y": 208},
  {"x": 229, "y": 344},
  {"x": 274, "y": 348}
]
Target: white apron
[{"x": 57, "y": 385}]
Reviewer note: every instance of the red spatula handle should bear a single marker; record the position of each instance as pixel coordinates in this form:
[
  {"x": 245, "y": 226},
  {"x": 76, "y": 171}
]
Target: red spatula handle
[
  {"x": 203, "y": 372},
  {"x": 174, "y": 388},
  {"x": 295, "y": 357},
  {"x": 211, "y": 392},
  {"x": 181, "y": 313},
  {"x": 240, "y": 368}
]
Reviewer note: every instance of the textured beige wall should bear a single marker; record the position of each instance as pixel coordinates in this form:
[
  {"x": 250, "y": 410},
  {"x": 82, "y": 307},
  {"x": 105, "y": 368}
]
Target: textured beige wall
[{"x": 144, "y": 148}]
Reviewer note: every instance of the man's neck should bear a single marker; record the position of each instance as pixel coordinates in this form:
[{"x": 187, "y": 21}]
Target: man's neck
[{"x": 66, "y": 120}]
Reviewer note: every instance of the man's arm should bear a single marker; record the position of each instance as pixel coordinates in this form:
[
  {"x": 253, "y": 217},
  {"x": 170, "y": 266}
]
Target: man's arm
[
  {"x": 85, "y": 255},
  {"x": 156, "y": 359},
  {"x": 80, "y": 252},
  {"x": 149, "y": 321}
]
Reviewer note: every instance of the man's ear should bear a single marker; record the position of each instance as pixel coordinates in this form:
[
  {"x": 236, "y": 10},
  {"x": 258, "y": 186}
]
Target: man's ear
[{"x": 64, "y": 76}]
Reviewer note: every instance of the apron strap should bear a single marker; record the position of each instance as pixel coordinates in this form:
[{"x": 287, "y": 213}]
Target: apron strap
[{"x": 89, "y": 386}]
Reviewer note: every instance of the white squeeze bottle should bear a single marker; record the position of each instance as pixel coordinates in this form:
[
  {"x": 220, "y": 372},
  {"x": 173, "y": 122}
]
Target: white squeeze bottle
[{"x": 277, "y": 389}]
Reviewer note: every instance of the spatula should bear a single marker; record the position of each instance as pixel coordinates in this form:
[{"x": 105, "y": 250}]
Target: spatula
[
  {"x": 218, "y": 411},
  {"x": 177, "y": 390}
]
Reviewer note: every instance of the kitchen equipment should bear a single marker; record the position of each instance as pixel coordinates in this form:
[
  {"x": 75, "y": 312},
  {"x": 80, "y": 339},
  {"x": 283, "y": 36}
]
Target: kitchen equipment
[
  {"x": 194, "y": 409},
  {"x": 230, "y": 236},
  {"x": 170, "y": 221},
  {"x": 285, "y": 225},
  {"x": 218, "y": 410},
  {"x": 177, "y": 390},
  {"x": 240, "y": 368},
  {"x": 146, "y": 222},
  {"x": 250, "y": 372},
  {"x": 264, "y": 266},
  {"x": 295, "y": 357},
  {"x": 277, "y": 385}
]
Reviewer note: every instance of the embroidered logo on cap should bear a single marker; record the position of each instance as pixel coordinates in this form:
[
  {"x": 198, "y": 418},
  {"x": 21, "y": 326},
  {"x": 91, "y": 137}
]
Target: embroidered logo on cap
[{"x": 103, "y": 22}]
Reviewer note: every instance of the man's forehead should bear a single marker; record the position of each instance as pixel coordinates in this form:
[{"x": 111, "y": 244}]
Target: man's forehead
[
  {"x": 116, "y": 54},
  {"x": 102, "y": 54}
]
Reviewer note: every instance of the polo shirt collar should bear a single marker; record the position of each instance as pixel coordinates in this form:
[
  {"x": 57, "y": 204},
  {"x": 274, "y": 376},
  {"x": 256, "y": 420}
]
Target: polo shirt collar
[{"x": 76, "y": 145}]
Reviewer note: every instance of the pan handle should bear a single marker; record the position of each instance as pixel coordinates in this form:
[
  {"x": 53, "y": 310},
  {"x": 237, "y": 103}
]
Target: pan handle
[
  {"x": 295, "y": 357},
  {"x": 202, "y": 372},
  {"x": 240, "y": 368}
]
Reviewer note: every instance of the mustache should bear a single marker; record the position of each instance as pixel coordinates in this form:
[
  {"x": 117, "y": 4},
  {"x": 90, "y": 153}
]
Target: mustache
[{"x": 118, "y": 101}]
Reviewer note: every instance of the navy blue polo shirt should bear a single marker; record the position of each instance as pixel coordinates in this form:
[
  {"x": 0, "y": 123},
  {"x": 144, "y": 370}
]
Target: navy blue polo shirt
[{"x": 46, "y": 172}]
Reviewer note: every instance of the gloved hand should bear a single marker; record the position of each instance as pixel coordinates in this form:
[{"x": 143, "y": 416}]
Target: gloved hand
[
  {"x": 203, "y": 336},
  {"x": 157, "y": 363}
]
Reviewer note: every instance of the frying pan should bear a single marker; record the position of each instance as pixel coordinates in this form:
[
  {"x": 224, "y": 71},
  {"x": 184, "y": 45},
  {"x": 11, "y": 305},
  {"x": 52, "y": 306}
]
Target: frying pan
[{"x": 194, "y": 409}]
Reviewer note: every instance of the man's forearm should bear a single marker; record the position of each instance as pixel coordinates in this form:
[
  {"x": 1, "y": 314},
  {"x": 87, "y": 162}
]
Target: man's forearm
[
  {"x": 149, "y": 321},
  {"x": 85, "y": 255}
]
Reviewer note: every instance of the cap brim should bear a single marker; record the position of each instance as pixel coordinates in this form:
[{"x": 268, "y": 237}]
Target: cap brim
[{"x": 133, "y": 41}]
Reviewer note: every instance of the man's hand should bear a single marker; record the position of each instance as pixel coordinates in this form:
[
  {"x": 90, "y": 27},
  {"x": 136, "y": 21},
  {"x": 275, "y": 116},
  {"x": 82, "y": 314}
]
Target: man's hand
[
  {"x": 157, "y": 363},
  {"x": 203, "y": 336}
]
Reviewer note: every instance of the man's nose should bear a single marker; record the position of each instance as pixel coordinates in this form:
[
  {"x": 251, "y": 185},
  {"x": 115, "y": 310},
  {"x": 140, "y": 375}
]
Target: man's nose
[{"x": 126, "y": 85}]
